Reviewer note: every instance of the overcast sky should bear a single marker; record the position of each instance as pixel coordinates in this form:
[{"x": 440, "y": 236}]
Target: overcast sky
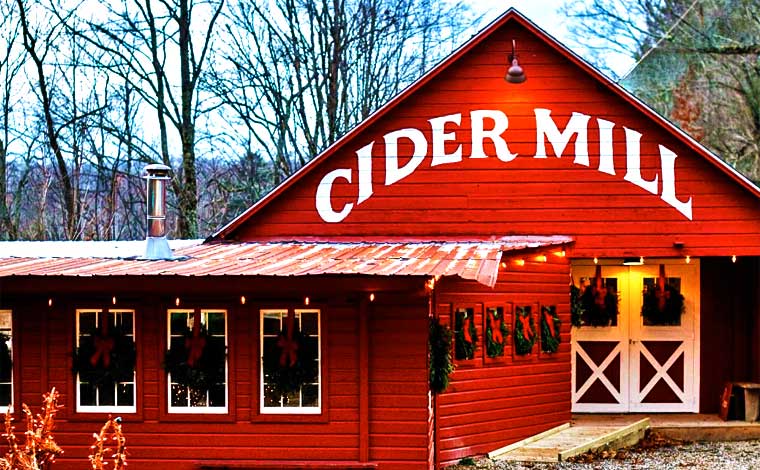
[{"x": 546, "y": 15}]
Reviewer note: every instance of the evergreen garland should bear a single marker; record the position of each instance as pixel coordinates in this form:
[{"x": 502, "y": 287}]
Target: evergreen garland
[
  {"x": 576, "y": 306},
  {"x": 550, "y": 329},
  {"x": 6, "y": 358},
  {"x": 119, "y": 366},
  {"x": 208, "y": 370},
  {"x": 439, "y": 349},
  {"x": 525, "y": 331},
  {"x": 672, "y": 307},
  {"x": 465, "y": 349},
  {"x": 284, "y": 376},
  {"x": 495, "y": 348}
]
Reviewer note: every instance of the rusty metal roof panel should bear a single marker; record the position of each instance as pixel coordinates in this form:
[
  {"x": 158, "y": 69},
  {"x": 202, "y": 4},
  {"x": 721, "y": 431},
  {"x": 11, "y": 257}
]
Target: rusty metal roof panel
[{"x": 476, "y": 260}]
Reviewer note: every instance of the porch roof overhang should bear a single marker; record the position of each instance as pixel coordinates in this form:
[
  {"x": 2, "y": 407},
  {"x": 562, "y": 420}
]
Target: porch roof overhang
[{"x": 474, "y": 260}]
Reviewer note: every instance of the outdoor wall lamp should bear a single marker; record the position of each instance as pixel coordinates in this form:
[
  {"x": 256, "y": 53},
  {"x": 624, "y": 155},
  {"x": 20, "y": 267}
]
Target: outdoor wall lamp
[{"x": 515, "y": 74}]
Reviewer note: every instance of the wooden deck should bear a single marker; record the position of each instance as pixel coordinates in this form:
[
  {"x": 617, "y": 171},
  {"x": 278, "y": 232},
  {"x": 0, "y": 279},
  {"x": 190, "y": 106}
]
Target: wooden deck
[
  {"x": 569, "y": 440},
  {"x": 599, "y": 431},
  {"x": 683, "y": 426}
]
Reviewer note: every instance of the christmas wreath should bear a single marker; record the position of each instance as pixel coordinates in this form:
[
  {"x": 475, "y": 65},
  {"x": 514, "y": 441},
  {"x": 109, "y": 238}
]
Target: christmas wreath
[
  {"x": 576, "y": 306},
  {"x": 107, "y": 355},
  {"x": 466, "y": 334},
  {"x": 496, "y": 333},
  {"x": 663, "y": 303},
  {"x": 6, "y": 359},
  {"x": 198, "y": 361},
  {"x": 439, "y": 349},
  {"x": 599, "y": 303},
  {"x": 525, "y": 331},
  {"x": 289, "y": 363},
  {"x": 550, "y": 324}
]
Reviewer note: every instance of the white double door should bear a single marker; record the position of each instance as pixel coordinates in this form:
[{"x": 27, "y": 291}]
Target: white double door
[{"x": 634, "y": 365}]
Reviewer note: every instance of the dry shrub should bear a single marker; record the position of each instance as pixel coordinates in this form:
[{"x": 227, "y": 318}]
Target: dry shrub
[{"x": 39, "y": 449}]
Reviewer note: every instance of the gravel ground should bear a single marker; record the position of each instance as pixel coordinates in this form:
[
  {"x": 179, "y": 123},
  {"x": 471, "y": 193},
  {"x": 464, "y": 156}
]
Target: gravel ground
[{"x": 739, "y": 455}]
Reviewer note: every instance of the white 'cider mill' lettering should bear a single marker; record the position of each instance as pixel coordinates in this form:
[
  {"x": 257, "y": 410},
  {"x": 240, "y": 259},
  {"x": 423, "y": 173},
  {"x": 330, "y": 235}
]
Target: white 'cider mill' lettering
[{"x": 491, "y": 124}]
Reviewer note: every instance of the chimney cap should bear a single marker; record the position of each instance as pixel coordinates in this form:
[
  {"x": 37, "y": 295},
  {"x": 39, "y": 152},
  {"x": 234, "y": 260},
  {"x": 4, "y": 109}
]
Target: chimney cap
[{"x": 157, "y": 170}]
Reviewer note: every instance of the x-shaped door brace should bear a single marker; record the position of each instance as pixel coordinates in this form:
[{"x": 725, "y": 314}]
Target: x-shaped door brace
[
  {"x": 661, "y": 372},
  {"x": 597, "y": 373}
]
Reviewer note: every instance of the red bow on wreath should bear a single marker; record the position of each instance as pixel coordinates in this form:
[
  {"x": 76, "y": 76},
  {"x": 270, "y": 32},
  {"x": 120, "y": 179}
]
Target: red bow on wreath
[
  {"x": 466, "y": 329},
  {"x": 662, "y": 294},
  {"x": 598, "y": 290},
  {"x": 495, "y": 325},
  {"x": 526, "y": 331},
  {"x": 549, "y": 319},
  {"x": 286, "y": 343},
  {"x": 104, "y": 344},
  {"x": 196, "y": 343}
]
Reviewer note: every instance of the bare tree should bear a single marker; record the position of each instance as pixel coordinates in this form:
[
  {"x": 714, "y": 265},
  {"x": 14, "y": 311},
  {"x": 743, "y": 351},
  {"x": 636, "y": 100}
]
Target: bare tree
[
  {"x": 298, "y": 74},
  {"x": 11, "y": 62},
  {"x": 142, "y": 40},
  {"x": 698, "y": 63}
]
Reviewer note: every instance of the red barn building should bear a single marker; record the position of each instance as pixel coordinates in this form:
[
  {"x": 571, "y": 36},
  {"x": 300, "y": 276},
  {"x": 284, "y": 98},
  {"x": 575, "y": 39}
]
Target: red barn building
[{"x": 298, "y": 334}]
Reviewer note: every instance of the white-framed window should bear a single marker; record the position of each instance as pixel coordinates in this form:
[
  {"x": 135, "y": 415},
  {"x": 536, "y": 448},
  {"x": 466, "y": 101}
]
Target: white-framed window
[
  {"x": 205, "y": 347},
  {"x": 290, "y": 357},
  {"x": 105, "y": 340},
  {"x": 6, "y": 359}
]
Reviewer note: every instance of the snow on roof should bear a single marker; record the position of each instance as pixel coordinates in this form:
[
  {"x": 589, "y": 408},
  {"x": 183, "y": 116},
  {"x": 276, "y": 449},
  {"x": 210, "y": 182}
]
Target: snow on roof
[{"x": 83, "y": 249}]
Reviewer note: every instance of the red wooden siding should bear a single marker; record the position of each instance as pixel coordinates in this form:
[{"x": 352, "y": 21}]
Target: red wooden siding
[
  {"x": 397, "y": 421},
  {"x": 607, "y": 215},
  {"x": 491, "y": 403},
  {"x": 398, "y": 386}
]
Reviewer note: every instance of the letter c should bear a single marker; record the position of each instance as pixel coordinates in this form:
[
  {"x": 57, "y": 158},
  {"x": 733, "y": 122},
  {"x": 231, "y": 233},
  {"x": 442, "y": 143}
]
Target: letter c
[{"x": 324, "y": 194}]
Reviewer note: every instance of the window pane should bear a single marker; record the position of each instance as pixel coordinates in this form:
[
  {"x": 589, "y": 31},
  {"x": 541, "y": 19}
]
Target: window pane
[
  {"x": 178, "y": 322},
  {"x": 6, "y": 361},
  {"x": 292, "y": 399},
  {"x": 310, "y": 395},
  {"x": 662, "y": 309},
  {"x": 309, "y": 323},
  {"x": 125, "y": 394},
  {"x": 270, "y": 398},
  {"x": 216, "y": 395},
  {"x": 179, "y": 395},
  {"x": 271, "y": 323},
  {"x": 87, "y": 394},
  {"x": 270, "y": 352},
  {"x": 107, "y": 395},
  {"x": 177, "y": 342},
  {"x": 86, "y": 322},
  {"x": 124, "y": 323},
  {"x": 215, "y": 323},
  {"x": 198, "y": 397},
  {"x": 5, "y": 395}
]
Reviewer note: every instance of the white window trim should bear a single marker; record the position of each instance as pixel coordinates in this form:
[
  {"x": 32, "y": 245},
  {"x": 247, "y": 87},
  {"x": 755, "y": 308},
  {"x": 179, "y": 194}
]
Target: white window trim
[
  {"x": 290, "y": 410},
  {"x": 205, "y": 410},
  {"x": 115, "y": 408},
  {"x": 13, "y": 362}
]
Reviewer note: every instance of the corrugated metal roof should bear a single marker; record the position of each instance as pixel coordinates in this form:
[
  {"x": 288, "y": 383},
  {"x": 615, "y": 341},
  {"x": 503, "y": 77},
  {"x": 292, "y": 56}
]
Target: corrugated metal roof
[{"x": 470, "y": 260}]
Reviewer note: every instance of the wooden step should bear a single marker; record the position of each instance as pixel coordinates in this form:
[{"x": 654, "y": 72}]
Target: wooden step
[{"x": 563, "y": 442}]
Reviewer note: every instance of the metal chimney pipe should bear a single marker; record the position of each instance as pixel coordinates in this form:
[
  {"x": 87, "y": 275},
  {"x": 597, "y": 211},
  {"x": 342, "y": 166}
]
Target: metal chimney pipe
[{"x": 157, "y": 247}]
